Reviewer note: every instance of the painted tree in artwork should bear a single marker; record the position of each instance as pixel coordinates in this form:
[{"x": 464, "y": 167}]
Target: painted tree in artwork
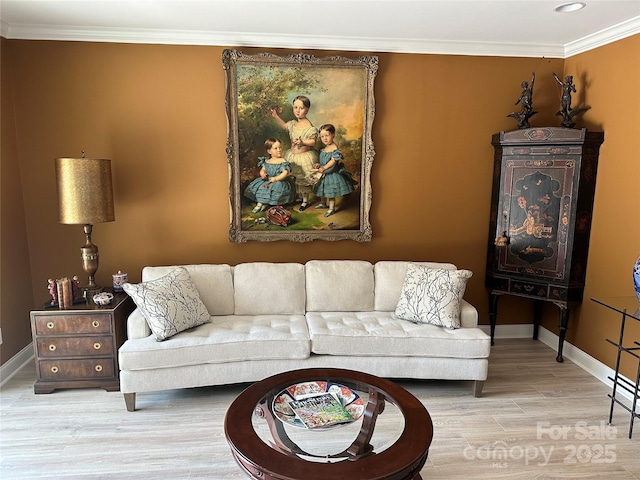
[{"x": 261, "y": 89}]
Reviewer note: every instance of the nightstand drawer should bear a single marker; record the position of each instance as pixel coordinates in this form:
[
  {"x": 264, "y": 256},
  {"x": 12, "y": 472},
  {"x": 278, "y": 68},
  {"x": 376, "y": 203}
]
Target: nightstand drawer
[
  {"x": 76, "y": 369},
  {"x": 76, "y": 346},
  {"x": 77, "y": 324}
]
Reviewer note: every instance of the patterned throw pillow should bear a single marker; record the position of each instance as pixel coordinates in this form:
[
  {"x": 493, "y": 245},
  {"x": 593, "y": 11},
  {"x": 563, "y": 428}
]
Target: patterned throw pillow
[
  {"x": 170, "y": 304},
  {"x": 432, "y": 295}
]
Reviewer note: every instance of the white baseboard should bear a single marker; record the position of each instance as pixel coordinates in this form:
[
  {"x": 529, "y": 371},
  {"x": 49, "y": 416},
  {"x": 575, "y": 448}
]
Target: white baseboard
[
  {"x": 585, "y": 361},
  {"x": 15, "y": 363},
  {"x": 510, "y": 331}
]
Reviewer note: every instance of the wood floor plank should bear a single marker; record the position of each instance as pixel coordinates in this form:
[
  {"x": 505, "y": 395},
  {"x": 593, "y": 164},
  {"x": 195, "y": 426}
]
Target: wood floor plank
[{"x": 536, "y": 419}]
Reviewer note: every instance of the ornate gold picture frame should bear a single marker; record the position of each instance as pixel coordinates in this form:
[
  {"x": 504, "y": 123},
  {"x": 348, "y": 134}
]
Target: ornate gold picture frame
[{"x": 261, "y": 92}]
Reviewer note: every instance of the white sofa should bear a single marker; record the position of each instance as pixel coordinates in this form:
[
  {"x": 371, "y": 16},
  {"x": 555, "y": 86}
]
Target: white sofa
[{"x": 267, "y": 318}]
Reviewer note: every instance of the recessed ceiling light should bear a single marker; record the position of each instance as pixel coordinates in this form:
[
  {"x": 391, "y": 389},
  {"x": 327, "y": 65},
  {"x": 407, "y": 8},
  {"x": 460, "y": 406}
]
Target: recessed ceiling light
[{"x": 569, "y": 7}]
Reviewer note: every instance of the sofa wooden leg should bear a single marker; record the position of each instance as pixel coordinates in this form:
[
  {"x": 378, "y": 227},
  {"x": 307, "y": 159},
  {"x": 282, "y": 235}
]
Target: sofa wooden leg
[
  {"x": 130, "y": 401},
  {"x": 477, "y": 388}
]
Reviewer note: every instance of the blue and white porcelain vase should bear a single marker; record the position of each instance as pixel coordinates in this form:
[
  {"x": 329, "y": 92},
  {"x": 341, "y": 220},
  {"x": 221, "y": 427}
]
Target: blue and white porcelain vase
[{"x": 636, "y": 277}]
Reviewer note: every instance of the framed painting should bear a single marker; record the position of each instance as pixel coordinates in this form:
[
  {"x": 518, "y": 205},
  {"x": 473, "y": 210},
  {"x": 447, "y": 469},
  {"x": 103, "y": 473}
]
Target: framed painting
[{"x": 299, "y": 146}]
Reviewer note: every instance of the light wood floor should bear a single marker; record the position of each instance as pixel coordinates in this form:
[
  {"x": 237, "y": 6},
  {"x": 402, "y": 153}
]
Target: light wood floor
[{"x": 537, "y": 419}]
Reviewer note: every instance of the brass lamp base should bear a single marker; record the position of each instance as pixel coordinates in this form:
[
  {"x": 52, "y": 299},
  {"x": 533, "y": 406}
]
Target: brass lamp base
[{"x": 90, "y": 262}]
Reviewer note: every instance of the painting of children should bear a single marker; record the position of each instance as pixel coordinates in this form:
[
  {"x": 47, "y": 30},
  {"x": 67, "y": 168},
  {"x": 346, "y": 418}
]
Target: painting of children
[{"x": 267, "y": 94}]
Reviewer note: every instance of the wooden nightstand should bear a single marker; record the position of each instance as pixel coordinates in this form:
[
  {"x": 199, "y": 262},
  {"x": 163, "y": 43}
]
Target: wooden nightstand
[{"x": 77, "y": 347}]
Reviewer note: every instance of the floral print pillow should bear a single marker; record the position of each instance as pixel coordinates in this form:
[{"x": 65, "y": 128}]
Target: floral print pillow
[
  {"x": 432, "y": 295},
  {"x": 170, "y": 304}
]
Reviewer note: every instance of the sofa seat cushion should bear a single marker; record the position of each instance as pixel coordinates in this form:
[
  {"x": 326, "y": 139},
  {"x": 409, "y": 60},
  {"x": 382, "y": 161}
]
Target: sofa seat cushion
[
  {"x": 379, "y": 334},
  {"x": 225, "y": 339}
]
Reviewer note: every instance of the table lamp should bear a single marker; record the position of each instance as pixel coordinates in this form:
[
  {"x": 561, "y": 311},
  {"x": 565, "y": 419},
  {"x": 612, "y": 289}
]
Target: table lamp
[{"x": 85, "y": 197}]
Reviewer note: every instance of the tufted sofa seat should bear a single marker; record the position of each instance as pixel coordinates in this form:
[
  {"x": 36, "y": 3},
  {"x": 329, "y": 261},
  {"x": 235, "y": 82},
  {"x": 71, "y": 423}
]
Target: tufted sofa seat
[{"x": 268, "y": 318}]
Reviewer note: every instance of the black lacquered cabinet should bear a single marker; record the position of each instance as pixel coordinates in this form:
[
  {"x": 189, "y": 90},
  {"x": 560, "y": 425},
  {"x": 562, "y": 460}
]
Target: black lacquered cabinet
[{"x": 541, "y": 206}]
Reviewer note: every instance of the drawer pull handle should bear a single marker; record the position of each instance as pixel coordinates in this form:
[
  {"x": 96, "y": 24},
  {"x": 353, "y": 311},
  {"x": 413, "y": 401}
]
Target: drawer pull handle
[
  {"x": 49, "y": 324},
  {"x": 96, "y": 323},
  {"x": 98, "y": 368},
  {"x": 54, "y": 369},
  {"x": 52, "y": 347},
  {"x": 97, "y": 346}
]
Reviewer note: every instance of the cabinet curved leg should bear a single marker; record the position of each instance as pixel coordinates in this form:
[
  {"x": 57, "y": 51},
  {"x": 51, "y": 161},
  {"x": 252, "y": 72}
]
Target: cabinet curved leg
[
  {"x": 493, "y": 313},
  {"x": 562, "y": 326},
  {"x": 537, "y": 316}
]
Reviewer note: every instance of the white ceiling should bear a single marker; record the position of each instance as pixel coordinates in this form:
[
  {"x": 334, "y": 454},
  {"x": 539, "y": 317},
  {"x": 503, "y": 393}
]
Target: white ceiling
[{"x": 467, "y": 27}]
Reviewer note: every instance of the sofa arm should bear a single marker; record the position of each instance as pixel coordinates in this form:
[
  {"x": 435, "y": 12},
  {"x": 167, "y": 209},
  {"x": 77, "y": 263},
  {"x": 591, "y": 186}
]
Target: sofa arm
[
  {"x": 468, "y": 315},
  {"x": 137, "y": 326}
]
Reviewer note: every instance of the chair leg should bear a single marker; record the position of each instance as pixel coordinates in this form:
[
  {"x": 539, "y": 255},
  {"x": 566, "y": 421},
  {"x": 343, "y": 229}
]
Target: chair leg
[{"x": 130, "y": 401}]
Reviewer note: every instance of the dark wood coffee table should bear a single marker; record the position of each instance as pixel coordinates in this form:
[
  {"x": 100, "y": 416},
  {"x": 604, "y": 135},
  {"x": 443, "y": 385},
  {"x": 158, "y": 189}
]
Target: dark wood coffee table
[{"x": 390, "y": 440}]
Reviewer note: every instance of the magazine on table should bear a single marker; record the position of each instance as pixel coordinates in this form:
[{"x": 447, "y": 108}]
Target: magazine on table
[{"x": 322, "y": 410}]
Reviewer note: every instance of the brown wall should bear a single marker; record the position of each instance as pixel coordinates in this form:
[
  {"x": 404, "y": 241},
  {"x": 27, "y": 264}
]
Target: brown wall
[
  {"x": 611, "y": 75},
  {"x": 16, "y": 293},
  {"x": 158, "y": 112}
]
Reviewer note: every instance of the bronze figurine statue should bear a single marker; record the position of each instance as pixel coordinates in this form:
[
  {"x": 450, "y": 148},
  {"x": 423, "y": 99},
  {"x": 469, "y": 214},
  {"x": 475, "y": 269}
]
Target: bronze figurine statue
[
  {"x": 526, "y": 103},
  {"x": 53, "y": 291},
  {"x": 568, "y": 114}
]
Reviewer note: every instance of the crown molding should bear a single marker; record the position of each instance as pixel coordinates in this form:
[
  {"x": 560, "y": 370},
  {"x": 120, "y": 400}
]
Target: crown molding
[
  {"x": 344, "y": 43},
  {"x": 288, "y": 41},
  {"x": 603, "y": 37},
  {"x": 4, "y": 29}
]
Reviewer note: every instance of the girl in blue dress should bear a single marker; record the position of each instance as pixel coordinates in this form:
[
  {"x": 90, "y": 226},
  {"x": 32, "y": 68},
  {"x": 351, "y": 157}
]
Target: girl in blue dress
[
  {"x": 274, "y": 186},
  {"x": 334, "y": 181}
]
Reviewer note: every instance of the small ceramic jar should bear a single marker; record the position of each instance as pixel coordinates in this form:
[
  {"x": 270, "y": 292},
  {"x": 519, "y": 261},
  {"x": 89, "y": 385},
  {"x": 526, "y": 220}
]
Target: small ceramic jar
[
  {"x": 103, "y": 298},
  {"x": 118, "y": 280}
]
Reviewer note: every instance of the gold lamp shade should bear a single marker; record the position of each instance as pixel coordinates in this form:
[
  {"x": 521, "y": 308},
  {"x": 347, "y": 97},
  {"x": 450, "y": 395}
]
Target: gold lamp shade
[
  {"x": 85, "y": 192},
  {"x": 85, "y": 197}
]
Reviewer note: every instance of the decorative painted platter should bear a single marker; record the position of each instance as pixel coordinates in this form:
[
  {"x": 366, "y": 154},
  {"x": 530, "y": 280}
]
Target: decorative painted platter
[{"x": 350, "y": 400}]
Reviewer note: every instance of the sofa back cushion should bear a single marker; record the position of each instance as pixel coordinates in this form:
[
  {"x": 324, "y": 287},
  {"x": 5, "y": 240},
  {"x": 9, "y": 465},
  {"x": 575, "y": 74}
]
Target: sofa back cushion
[
  {"x": 389, "y": 278},
  {"x": 262, "y": 288},
  {"x": 213, "y": 282},
  {"x": 340, "y": 286}
]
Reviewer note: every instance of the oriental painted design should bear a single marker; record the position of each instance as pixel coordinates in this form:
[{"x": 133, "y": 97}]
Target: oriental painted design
[{"x": 536, "y": 209}]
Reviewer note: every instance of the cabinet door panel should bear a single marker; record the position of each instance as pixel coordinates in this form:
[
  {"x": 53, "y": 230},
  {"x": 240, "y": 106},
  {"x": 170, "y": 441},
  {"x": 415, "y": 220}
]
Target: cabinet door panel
[{"x": 536, "y": 202}]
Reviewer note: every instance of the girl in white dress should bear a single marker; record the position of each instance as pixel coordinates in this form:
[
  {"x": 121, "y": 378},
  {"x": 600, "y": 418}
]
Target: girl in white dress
[{"x": 302, "y": 155}]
